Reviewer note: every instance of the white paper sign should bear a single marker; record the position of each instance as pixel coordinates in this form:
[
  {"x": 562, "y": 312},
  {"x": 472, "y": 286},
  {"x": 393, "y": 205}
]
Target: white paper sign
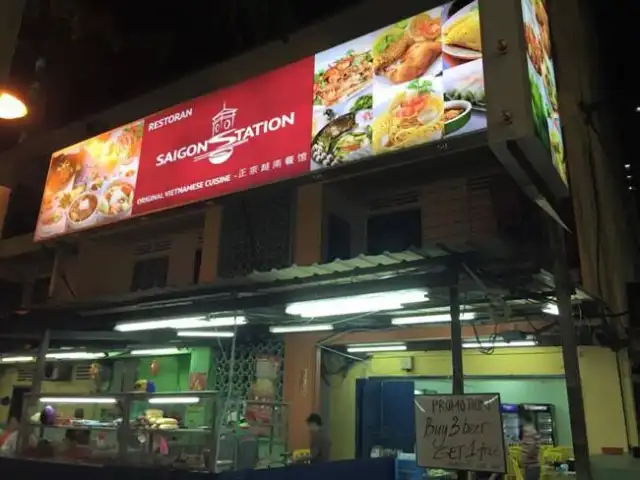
[{"x": 460, "y": 432}]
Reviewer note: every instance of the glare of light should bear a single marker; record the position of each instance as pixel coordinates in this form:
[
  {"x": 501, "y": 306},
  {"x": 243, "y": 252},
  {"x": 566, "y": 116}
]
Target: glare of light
[
  {"x": 11, "y": 107},
  {"x": 627, "y": 166},
  {"x": 551, "y": 309}
]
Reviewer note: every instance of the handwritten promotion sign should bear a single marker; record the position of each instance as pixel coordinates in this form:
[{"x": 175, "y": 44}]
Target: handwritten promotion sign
[{"x": 460, "y": 432}]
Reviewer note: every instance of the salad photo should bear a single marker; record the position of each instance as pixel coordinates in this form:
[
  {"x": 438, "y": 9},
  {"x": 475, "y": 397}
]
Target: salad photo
[
  {"x": 415, "y": 81},
  {"x": 542, "y": 82}
]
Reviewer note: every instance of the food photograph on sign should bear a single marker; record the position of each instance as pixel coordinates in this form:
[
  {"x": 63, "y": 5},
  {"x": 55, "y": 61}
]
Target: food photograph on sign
[
  {"x": 416, "y": 81},
  {"x": 91, "y": 183},
  {"x": 542, "y": 80}
]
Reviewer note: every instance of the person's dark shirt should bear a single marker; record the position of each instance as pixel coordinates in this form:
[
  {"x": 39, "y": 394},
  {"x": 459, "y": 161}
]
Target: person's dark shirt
[{"x": 320, "y": 447}]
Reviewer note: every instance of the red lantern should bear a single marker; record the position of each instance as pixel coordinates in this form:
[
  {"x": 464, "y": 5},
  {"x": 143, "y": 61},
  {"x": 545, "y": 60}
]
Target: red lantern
[{"x": 155, "y": 367}]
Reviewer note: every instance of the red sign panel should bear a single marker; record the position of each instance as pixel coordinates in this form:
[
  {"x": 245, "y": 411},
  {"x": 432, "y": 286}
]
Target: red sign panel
[
  {"x": 234, "y": 139},
  {"x": 417, "y": 81}
]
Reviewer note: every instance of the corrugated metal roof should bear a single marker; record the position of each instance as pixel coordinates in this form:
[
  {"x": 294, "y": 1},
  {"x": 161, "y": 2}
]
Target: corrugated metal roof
[{"x": 361, "y": 262}]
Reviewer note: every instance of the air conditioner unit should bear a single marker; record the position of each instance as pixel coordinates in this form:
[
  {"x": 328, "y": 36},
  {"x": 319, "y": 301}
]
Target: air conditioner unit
[{"x": 58, "y": 372}]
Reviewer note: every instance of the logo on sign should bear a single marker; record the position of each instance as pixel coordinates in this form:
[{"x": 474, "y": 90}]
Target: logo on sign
[{"x": 225, "y": 137}]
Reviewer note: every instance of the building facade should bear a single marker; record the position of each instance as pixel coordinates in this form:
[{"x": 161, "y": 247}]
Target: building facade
[{"x": 478, "y": 208}]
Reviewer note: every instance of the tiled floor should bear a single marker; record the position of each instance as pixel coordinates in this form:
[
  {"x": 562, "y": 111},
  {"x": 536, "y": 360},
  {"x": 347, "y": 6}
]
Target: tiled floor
[{"x": 609, "y": 467}]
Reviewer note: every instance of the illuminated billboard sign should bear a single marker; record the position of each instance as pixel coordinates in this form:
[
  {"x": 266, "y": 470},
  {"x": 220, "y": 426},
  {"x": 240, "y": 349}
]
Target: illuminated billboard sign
[{"x": 416, "y": 81}]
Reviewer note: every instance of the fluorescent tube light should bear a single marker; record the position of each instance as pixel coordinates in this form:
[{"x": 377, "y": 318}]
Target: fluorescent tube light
[
  {"x": 205, "y": 334},
  {"x": 551, "y": 309},
  {"x": 227, "y": 321},
  {"x": 377, "y": 348},
  {"x": 157, "y": 351},
  {"x": 180, "y": 322},
  {"x": 301, "y": 328},
  {"x": 173, "y": 400},
  {"x": 440, "y": 318},
  {"x": 488, "y": 344},
  {"x": 89, "y": 400},
  {"x": 183, "y": 323},
  {"x": 75, "y": 355},
  {"x": 373, "y": 302},
  {"x": 24, "y": 359}
]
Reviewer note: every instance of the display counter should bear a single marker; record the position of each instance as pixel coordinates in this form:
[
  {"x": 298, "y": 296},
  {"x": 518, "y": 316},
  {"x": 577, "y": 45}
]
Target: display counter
[
  {"x": 184, "y": 430},
  {"x": 158, "y": 429}
]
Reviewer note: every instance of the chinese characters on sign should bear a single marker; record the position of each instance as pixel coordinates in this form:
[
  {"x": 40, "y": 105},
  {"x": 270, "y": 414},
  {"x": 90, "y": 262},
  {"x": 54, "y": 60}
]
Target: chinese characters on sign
[{"x": 416, "y": 81}]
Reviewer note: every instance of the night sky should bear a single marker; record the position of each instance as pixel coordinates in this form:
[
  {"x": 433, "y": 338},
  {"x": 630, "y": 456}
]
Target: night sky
[{"x": 102, "y": 52}]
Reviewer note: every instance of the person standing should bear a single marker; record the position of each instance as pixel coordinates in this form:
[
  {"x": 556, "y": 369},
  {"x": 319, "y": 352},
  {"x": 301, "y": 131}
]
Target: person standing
[
  {"x": 530, "y": 443},
  {"x": 319, "y": 443}
]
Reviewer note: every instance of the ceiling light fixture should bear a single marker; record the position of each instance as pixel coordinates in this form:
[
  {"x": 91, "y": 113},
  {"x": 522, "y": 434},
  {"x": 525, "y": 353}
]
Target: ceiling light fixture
[
  {"x": 76, "y": 355},
  {"x": 423, "y": 319},
  {"x": 11, "y": 107},
  {"x": 301, "y": 328},
  {"x": 372, "y": 302},
  {"x": 173, "y": 400},
  {"x": 183, "y": 323},
  {"x": 85, "y": 400},
  {"x": 489, "y": 344},
  {"x": 23, "y": 359},
  {"x": 204, "y": 334},
  {"x": 377, "y": 348},
  {"x": 157, "y": 351}
]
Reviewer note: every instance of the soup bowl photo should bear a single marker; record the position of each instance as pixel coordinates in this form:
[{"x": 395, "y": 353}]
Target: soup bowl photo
[
  {"x": 83, "y": 212},
  {"x": 116, "y": 200},
  {"x": 457, "y": 114}
]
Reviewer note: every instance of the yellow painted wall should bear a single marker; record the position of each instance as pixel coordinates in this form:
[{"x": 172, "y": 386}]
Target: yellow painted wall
[{"x": 603, "y": 402}]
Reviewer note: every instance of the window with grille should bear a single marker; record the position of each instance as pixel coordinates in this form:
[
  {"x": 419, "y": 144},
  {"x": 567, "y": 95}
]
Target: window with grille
[
  {"x": 150, "y": 273},
  {"x": 394, "y": 231}
]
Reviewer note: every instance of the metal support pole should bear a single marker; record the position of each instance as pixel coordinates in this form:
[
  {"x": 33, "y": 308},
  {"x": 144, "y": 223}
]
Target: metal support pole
[
  {"x": 36, "y": 386},
  {"x": 41, "y": 363},
  {"x": 456, "y": 338},
  {"x": 570, "y": 352},
  {"x": 456, "y": 343}
]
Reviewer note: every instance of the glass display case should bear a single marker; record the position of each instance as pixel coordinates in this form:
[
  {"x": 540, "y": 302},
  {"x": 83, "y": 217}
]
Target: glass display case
[
  {"x": 194, "y": 430},
  {"x": 260, "y": 426},
  {"x": 176, "y": 429}
]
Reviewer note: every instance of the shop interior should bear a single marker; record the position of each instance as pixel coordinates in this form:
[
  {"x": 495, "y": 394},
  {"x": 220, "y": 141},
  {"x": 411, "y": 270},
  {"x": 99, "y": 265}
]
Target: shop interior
[
  {"x": 165, "y": 395},
  {"x": 226, "y": 390}
]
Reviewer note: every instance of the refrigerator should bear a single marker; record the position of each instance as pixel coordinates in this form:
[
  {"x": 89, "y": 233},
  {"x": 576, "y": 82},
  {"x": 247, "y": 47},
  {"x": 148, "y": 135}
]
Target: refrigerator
[
  {"x": 510, "y": 423},
  {"x": 544, "y": 420}
]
